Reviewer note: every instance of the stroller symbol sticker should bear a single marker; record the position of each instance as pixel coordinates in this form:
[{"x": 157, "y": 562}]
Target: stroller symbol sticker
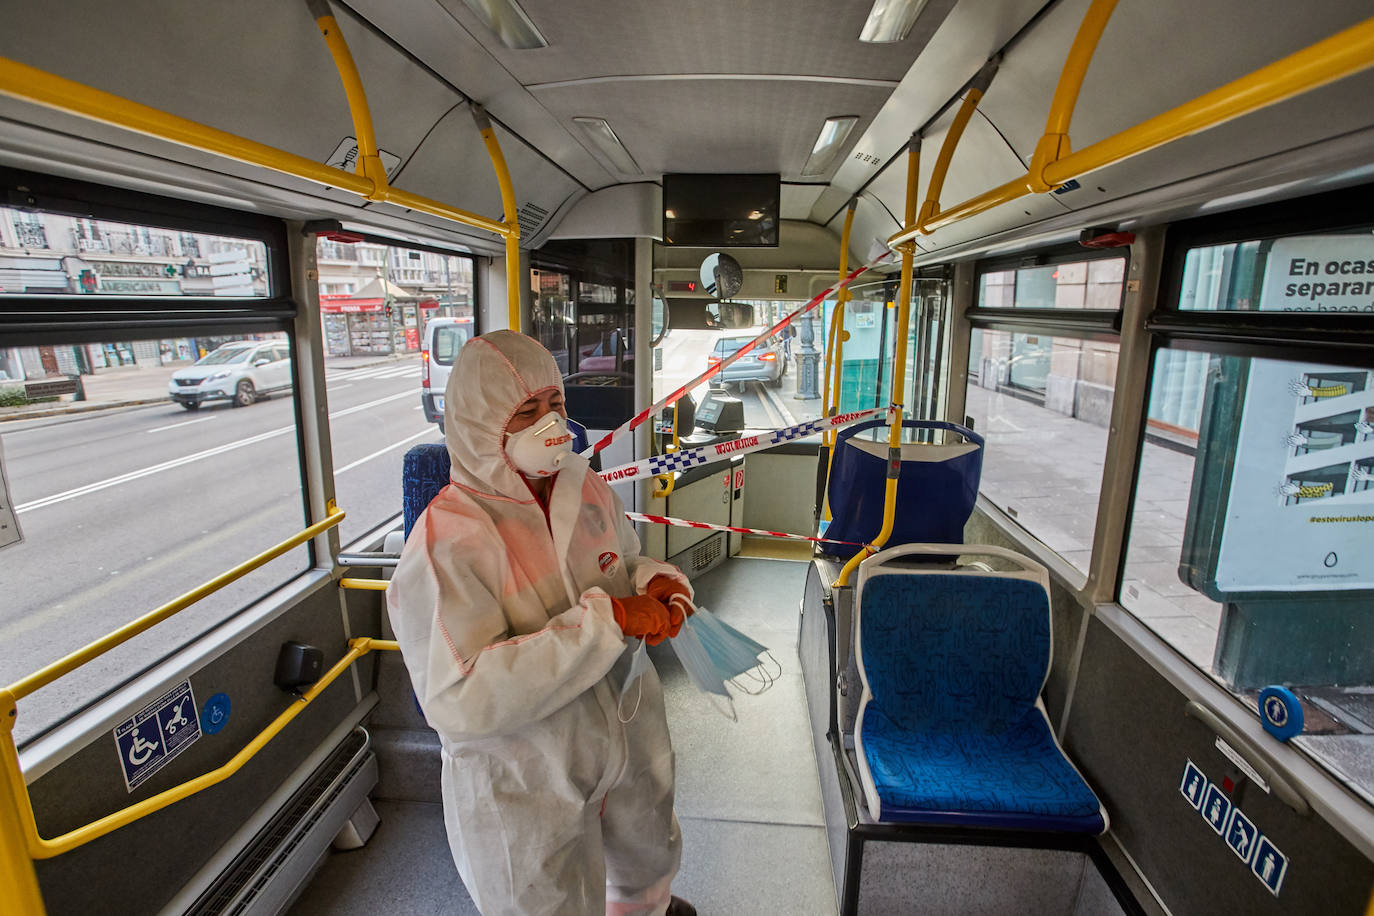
[{"x": 156, "y": 733}]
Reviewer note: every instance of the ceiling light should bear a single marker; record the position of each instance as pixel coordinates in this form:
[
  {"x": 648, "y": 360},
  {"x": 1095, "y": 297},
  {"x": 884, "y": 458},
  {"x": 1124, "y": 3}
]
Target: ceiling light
[
  {"x": 510, "y": 23},
  {"x": 828, "y": 143},
  {"x": 889, "y": 20},
  {"x": 609, "y": 145}
]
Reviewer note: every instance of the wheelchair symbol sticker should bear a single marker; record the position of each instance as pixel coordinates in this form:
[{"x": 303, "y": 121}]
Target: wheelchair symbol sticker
[
  {"x": 156, "y": 733},
  {"x": 215, "y": 715}
]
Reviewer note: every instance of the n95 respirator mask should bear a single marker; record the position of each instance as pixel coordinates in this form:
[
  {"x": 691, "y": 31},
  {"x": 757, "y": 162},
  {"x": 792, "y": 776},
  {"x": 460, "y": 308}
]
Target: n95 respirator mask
[{"x": 538, "y": 449}]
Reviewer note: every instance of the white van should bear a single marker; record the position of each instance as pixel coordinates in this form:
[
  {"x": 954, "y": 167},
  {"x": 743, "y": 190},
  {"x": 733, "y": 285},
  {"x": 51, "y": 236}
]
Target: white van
[{"x": 444, "y": 337}]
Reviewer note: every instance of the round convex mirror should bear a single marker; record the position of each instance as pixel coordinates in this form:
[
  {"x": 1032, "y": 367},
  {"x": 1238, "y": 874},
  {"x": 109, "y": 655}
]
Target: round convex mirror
[{"x": 721, "y": 276}]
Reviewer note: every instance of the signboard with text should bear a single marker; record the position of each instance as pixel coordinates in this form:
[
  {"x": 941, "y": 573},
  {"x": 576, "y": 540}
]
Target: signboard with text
[{"x": 1299, "y": 515}]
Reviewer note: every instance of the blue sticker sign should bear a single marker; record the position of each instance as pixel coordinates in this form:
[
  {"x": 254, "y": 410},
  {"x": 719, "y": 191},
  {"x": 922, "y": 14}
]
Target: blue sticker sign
[
  {"x": 1270, "y": 865},
  {"x": 1241, "y": 834},
  {"x": 1216, "y": 808},
  {"x": 1194, "y": 785},
  {"x": 215, "y": 715},
  {"x": 1230, "y": 823},
  {"x": 157, "y": 733},
  {"x": 1280, "y": 712}
]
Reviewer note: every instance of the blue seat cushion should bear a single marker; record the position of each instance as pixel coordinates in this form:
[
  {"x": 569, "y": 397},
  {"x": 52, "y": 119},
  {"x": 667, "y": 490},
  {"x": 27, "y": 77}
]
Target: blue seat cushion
[
  {"x": 1015, "y": 779},
  {"x": 952, "y": 732}
]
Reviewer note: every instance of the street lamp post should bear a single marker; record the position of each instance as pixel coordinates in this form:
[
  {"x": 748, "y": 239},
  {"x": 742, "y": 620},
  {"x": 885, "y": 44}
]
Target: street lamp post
[{"x": 808, "y": 362}]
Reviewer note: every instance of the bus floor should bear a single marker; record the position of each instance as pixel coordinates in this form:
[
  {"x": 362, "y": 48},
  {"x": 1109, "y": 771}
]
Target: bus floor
[{"x": 748, "y": 794}]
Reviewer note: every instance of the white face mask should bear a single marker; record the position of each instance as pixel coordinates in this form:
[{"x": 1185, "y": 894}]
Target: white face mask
[{"x": 537, "y": 450}]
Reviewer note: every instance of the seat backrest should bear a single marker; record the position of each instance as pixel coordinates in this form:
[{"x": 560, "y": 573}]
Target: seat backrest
[
  {"x": 936, "y": 488},
  {"x": 424, "y": 472},
  {"x": 947, "y": 650}
]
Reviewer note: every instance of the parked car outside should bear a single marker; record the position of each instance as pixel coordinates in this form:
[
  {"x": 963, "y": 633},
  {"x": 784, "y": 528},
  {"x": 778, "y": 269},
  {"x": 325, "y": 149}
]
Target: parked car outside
[
  {"x": 239, "y": 372},
  {"x": 766, "y": 363},
  {"x": 444, "y": 337}
]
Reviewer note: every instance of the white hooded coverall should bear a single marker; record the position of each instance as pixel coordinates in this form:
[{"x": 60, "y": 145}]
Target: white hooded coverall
[{"x": 504, "y": 619}]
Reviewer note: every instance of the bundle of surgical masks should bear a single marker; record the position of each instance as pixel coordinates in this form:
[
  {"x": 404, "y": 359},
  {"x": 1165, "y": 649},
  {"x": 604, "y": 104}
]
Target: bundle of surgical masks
[{"x": 714, "y": 655}]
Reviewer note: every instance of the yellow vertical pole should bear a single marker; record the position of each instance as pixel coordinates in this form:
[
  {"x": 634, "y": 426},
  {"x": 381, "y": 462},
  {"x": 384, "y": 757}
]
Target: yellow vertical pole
[
  {"x": 369, "y": 162},
  {"x": 1055, "y": 142},
  {"x": 894, "y": 438},
  {"x": 21, "y": 894},
  {"x": 976, "y": 90},
  {"x": 834, "y": 355},
  {"x": 510, "y": 216}
]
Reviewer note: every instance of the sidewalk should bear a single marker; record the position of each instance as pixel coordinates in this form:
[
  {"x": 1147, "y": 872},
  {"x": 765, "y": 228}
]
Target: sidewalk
[{"x": 130, "y": 386}]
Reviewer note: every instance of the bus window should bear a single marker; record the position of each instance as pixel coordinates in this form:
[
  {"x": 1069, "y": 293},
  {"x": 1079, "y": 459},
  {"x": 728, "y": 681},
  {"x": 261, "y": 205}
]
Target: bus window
[
  {"x": 380, "y": 307},
  {"x": 1251, "y": 546},
  {"x": 1091, "y": 284},
  {"x": 1044, "y": 405}
]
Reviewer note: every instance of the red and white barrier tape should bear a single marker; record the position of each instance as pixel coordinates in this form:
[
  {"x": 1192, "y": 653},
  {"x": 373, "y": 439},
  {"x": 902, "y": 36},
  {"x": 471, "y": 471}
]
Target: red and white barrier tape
[
  {"x": 696, "y": 457},
  {"x": 684, "y": 523},
  {"x": 638, "y": 419}
]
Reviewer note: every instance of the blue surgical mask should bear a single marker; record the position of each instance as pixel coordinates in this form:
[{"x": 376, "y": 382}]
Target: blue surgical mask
[
  {"x": 713, "y": 653},
  {"x": 733, "y": 654}
]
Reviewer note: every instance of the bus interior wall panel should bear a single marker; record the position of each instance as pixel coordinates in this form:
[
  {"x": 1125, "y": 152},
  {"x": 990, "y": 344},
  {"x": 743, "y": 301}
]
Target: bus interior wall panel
[
  {"x": 1116, "y": 739},
  {"x": 432, "y": 33},
  {"x": 83, "y": 150},
  {"x": 90, "y": 784},
  {"x": 972, "y": 33},
  {"x": 259, "y": 69},
  {"x": 1125, "y": 83},
  {"x": 422, "y": 122}
]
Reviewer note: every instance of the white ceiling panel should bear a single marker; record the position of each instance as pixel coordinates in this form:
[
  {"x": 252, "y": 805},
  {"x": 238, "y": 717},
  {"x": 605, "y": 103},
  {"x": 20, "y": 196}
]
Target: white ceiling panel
[
  {"x": 797, "y": 200},
  {"x": 716, "y": 125},
  {"x": 815, "y": 37}
]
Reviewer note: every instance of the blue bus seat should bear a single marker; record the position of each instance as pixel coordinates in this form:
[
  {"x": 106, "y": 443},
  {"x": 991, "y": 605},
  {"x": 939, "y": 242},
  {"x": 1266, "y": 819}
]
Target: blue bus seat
[
  {"x": 936, "y": 488},
  {"x": 424, "y": 472},
  {"x": 951, "y": 729}
]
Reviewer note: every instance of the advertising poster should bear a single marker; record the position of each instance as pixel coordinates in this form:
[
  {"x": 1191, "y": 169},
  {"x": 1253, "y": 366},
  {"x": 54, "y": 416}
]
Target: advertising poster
[{"x": 1300, "y": 512}]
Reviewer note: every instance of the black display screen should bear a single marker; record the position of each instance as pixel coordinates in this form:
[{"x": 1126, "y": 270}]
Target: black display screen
[{"x": 721, "y": 211}]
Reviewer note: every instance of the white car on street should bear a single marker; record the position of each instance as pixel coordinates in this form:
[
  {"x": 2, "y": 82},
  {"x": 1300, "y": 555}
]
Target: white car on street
[
  {"x": 240, "y": 372},
  {"x": 444, "y": 337}
]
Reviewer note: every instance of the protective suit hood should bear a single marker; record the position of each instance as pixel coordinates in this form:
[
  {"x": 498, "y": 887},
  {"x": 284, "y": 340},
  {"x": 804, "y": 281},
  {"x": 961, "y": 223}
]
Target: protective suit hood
[{"x": 493, "y": 375}]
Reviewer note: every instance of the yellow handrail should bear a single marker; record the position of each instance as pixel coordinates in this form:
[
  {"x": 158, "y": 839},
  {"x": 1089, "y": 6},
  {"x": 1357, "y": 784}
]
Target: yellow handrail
[
  {"x": 40, "y": 848},
  {"x": 1347, "y": 52},
  {"x": 29, "y": 84},
  {"x": 952, "y": 137},
  {"x": 1054, "y": 143},
  {"x": 498, "y": 162},
  {"x": 834, "y": 356},
  {"x": 366, "y": 585},
  {"x": 370, "y": 163},
  {"x": 44, "y": 676},
  {"x": 894, "y": 436}
]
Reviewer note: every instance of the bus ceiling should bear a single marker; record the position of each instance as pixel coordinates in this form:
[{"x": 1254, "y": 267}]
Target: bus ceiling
[{"x": 829, "y": 113}]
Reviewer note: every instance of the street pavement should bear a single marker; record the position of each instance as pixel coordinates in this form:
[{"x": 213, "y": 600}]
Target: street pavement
[{"x": 129, "y": 386}]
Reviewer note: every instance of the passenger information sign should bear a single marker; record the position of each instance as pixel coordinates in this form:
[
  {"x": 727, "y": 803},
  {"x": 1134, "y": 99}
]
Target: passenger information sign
[
  {"x": 157, "y": 733},
  {"x": 1300, "y": 512},
  {"x": 1226, "y": 819}
]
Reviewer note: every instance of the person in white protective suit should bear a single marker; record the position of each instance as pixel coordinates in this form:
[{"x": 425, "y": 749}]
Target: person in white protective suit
[{"x": 512, "y": 604}]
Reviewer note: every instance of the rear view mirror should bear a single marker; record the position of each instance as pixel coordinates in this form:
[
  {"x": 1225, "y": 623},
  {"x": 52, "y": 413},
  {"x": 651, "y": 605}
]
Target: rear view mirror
[
  {"x": 721, "y": 276},
  {"x": 702, "y": 314}
]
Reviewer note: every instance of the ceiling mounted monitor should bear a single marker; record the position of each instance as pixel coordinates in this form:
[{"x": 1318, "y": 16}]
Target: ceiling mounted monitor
[{"x": 721, "y": 211}]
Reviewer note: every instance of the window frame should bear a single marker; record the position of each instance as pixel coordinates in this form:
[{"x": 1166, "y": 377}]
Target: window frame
[
  {"x": 31, "y": 320},
  {"x": 1335, "y": 337}
]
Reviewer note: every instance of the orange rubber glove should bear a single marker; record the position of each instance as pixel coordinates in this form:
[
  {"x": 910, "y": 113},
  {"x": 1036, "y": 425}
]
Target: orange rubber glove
[
  {"x": 666, "y": 589},
  {"x": 642, "y": 615}
]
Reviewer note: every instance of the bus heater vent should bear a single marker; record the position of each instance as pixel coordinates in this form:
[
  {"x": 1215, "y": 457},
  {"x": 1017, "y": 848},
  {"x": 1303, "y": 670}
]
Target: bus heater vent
[
  {"x": 708, "y": 553},
  {"x": 530, "y": 218},
  {"x": 275, "y": 866}
]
